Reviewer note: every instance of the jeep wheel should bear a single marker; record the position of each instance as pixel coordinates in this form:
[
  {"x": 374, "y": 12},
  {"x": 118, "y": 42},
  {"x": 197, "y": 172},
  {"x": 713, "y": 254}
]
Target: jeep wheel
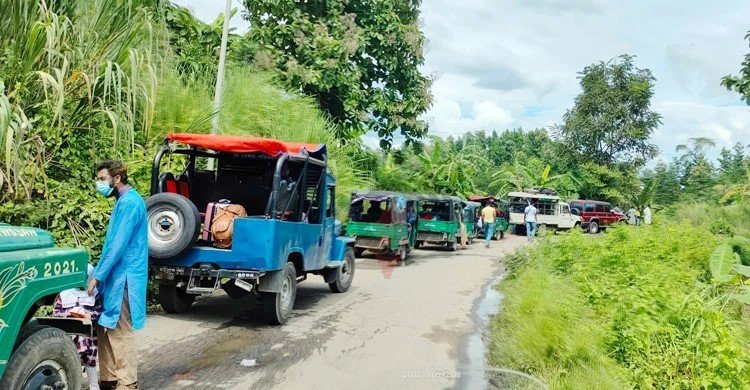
[
  {"x": 358, "y": 252},
  {"x": 173, "y": 225},
  {"x": 402, "y": 250},
  {"x": 593, "y": 227},
  {"x": 174, "y": 300},
  {"x": 277, "y": 307},
  {"x": 345, "y": 273},
  {"x": 47, "y": 359}
]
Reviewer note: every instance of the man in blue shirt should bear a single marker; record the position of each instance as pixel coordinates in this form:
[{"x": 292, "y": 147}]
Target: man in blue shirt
[{"x": 121, "y": 277}]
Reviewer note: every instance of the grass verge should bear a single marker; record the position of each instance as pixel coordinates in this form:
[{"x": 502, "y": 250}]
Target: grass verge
[{"x": 633, "y": 308}]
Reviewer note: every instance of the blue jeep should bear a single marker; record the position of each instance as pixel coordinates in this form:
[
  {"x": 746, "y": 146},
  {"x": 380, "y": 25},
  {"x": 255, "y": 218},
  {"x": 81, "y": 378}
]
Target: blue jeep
[{"x": 290, "y": 230}]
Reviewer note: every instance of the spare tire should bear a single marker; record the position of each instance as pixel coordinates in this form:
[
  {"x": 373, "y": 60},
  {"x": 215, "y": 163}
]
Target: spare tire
[{"x": 173, "y": 225}]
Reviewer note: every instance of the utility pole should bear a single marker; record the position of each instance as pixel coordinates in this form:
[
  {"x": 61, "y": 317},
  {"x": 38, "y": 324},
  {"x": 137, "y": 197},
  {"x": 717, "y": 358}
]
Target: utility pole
[{"x": 220, "y": 75}]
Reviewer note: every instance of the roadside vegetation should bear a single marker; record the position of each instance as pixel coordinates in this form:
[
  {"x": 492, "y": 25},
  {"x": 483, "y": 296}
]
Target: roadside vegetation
[
  {"x": 659, "y": 306},
  {"x": 655, "y": 306}
]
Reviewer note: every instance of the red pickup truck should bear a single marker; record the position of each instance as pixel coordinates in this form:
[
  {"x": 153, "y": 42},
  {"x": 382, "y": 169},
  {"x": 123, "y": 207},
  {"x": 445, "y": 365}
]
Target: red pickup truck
[{"x": 596, "y": 215}]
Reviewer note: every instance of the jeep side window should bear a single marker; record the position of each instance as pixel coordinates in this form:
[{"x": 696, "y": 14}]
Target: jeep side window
[
  {"x": 331, "y": 208},
  {"x": 312, "y": 193},
  {"x": 565, "y": 209},
  {"x": 608, "y": 207},
  {"x": 600, "y": 208},
  {"x": 588, "y": 207}
]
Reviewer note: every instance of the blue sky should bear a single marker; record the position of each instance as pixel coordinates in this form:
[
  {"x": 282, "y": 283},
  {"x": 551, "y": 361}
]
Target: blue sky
[{"x": 502, "y": 64}]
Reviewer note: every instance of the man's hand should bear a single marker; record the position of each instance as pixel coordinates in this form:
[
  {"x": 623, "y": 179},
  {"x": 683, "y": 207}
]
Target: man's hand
[{"x": 92, "y": 286}]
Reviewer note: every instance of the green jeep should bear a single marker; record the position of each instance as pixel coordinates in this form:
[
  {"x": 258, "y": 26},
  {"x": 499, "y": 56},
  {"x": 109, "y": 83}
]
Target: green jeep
[
  {"x": 38, "y": 353},
  {"x": 382, "y": 222},
  {"x": 439, "y": 220},
  {"x": 470, "y": 218}
]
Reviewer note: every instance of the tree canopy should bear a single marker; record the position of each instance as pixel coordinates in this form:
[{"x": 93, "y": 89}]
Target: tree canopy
[
  {"x": 741, "y": 82},
  {"x": 612, "y": 121},
  {"x": 359, "y": 59}
]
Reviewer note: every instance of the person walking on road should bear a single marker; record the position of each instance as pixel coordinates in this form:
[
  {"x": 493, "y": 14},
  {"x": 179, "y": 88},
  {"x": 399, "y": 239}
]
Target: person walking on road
[
  {"x": 120, "y": 277},
  {"x": 489, "y": 214},
  {"x": 529, "y": 219}
]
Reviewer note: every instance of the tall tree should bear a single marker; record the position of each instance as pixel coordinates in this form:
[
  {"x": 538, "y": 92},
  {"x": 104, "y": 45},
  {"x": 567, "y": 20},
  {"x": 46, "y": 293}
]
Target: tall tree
[
  {"x": 741, "y": 82},
  {"x": 612, "y": 120},
  {"x": 732, "y": 163},
  {"x": 666, "y": 187},
  {"x": 359, "y": 59}
]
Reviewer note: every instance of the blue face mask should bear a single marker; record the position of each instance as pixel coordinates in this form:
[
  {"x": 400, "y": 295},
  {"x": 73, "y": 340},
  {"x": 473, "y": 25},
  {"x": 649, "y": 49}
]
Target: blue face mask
[{"x": 104, "y": 188}]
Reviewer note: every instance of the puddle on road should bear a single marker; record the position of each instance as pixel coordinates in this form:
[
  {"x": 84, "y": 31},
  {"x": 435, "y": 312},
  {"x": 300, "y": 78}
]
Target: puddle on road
[
  {"x": 224, "y": 348},
  {"x": 473, "y": 371}
]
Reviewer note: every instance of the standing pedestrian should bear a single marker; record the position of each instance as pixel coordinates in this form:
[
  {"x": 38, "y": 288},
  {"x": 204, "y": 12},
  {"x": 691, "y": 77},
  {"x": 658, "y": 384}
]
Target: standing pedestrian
[
  {"x": 489, "y": 214},
  {"x": 647, "y": 217},
  {"x": 462, "y": 231},
  {"x": 637, "y": 217},
  {"x": 120, "y": 277},
  {"x": 529, "y": 219},
  {"x": 631, "y": 216}
]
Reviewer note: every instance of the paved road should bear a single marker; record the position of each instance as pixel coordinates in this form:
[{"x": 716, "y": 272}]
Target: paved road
[{"x": 395, "y": 326}]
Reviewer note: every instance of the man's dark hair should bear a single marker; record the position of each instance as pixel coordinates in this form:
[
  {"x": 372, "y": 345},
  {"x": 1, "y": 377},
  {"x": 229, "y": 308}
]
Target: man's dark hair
[{"x": 115, "y": 168}]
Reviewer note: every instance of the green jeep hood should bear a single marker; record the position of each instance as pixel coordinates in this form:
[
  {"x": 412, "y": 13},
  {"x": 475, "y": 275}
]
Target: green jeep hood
[{"x": 13, "y": 238}]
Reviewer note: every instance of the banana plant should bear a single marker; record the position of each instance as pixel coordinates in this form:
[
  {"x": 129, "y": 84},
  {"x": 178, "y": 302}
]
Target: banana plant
[{"x": 737, "y": 191}]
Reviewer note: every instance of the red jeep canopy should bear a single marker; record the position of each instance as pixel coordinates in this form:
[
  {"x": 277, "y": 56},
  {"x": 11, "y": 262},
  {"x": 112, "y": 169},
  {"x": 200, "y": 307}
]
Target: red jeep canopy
[{"x": 245, "y": 144}]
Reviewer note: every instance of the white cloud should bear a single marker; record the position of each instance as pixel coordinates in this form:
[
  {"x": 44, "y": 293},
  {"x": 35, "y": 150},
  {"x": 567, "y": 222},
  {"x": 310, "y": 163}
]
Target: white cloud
[
  {"x": 508, "y": 63},
  {"x": 446, "y": 117},
  {"x": 682, "y": 120}
]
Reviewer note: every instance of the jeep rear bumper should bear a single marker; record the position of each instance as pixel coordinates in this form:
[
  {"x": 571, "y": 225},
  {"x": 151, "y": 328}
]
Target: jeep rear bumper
[
  {"x": 170, "y": 272},
  {"x": 203, "y": 280}
]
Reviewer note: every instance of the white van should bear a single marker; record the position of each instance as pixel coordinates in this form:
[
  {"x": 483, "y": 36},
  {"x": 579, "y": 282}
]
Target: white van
[{"x": 552, "y": 213}]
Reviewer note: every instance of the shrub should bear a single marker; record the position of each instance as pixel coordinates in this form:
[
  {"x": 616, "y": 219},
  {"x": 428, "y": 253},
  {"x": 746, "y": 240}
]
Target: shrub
[{"x": 644, "y": 299}]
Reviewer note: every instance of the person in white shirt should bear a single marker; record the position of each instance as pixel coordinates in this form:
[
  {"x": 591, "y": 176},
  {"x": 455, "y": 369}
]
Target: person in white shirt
[
  {"x": 529, "y": 218},
  {"x": 647, "y": 215}
]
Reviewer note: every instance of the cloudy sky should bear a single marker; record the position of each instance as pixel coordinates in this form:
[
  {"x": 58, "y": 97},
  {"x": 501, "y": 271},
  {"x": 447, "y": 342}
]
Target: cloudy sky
[{"x": 502, "y": 64}]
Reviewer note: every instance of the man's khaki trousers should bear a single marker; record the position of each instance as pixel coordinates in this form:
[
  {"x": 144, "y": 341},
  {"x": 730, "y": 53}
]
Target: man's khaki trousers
[{"x": 116, "y": 355}]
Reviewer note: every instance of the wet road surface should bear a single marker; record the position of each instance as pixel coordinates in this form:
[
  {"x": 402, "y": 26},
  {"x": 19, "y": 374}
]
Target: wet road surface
[{"x": 397, "y": 326}]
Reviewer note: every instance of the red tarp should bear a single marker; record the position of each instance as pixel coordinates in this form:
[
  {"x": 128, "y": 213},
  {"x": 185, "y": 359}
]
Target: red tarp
[{"x": 244, "y": 144}]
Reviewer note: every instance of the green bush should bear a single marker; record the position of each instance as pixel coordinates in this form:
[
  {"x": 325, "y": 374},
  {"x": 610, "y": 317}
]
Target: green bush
[{"x": 642, "y": 295}]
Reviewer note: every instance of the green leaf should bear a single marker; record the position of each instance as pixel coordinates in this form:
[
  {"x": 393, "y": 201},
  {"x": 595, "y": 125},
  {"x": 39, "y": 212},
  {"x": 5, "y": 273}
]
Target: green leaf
[
  {"x": 743, "y": 270},
  {"x": 721, "y": 262}
]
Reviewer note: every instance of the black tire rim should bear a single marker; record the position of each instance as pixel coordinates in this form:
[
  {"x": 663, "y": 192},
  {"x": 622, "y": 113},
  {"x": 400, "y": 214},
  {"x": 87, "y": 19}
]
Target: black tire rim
[{"x": 47, "y": 374}]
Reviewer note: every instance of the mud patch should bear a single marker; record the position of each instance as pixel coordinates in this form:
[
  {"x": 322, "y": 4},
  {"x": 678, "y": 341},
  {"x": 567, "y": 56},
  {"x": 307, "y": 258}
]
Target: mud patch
[{"x": 226, "y": 346}]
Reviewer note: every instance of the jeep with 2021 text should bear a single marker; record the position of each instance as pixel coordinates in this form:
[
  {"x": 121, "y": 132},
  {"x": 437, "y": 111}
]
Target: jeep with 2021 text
[
  {"x": 38, "y": 353},
  {"x": 246, "y": 215}
]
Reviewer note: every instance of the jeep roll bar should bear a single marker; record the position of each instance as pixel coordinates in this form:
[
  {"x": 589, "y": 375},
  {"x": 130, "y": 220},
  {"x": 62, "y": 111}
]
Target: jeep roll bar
[
  {"x": 277, "y": 178},
  {"x": 194, "y": 152}
]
